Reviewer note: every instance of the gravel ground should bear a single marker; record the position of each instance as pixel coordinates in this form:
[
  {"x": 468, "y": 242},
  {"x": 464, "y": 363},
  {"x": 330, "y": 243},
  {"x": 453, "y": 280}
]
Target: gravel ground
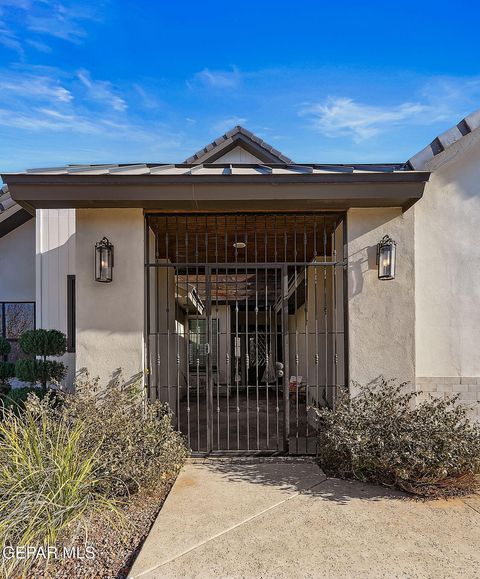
[{"x": 114, "y": 551}]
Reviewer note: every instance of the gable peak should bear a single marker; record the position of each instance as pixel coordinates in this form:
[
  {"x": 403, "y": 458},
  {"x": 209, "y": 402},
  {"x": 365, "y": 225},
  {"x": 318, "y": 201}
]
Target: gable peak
[{"x": 238, "y": 136}]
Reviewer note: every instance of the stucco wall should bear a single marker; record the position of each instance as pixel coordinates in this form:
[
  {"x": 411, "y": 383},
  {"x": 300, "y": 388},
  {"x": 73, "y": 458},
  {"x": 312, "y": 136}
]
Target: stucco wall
[
  {"x": 381, "y": 313},
  {"x": 447, "y": 246},
  {"x": 17, "y": 264},
  {"x": 110, "y": 316}
]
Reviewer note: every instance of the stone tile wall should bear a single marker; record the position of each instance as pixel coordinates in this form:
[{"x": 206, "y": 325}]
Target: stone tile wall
[{"x": 468, "y": 388}]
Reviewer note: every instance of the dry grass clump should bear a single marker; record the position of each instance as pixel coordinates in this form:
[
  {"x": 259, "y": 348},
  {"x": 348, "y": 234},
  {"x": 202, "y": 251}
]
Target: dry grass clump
[
  {"x": 47, "y": 481},
  {"x": 69, "y": 457}
]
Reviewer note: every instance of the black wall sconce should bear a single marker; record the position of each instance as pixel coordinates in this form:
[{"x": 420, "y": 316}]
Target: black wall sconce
[
  {"x": 104, "y": 261},
  {"x": 386, "y": 254}
]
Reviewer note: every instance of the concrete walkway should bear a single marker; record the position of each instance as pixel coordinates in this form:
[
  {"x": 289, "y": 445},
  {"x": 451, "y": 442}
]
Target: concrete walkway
[{"x": 240, "y": 518}]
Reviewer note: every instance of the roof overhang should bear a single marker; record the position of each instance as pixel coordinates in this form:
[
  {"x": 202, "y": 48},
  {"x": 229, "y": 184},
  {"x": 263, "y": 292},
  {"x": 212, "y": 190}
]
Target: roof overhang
[
  {"x": 13, "y": 218},
  {"x": 193, "y": 192}
]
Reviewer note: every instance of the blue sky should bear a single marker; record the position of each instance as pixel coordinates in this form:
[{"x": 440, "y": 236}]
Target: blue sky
[{"x": 135, "y": 81}]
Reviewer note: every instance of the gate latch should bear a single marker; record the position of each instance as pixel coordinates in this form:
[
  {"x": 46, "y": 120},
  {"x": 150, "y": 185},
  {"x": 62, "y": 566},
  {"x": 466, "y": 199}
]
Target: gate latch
[{"x": 207, "y": 349}]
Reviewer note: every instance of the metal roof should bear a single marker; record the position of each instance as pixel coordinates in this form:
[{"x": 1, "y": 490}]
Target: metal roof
[
  {"x": 246, "y": 139},
  {"x": 214, "y": 169},
  {"x": 444, "y": 141},
  {"x": 12, "y": 215},
  {"x": 202, "y": 182}
]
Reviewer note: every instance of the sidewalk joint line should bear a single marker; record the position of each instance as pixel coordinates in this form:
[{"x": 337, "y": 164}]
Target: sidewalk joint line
[
  {"x": 470, "y": 506},
  {"x": 232, "y": 528}
]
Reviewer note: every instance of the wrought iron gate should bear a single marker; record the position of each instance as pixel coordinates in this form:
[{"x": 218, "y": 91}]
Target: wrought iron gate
[{"x": 246, "y": 326}]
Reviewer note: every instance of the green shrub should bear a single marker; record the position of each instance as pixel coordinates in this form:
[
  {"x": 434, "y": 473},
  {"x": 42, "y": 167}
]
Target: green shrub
[
  {"x": 5, "y": 347},
  {"x": 42, "y": 343},
  {"x": 7, "y": 369},
  {"x": 136, "y": 442},
  {"x": 34, "y": 371},
  {"x": 430, "y": 449},
  {"x": 48, "y": 480}
]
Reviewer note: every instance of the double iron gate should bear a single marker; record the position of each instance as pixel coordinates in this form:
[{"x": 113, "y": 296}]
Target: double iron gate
[{"x": 246, "y": 326}]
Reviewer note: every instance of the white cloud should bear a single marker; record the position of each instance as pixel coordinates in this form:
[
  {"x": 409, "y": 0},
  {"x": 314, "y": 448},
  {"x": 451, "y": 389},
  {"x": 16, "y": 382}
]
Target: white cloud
[
  {"x": 46, "y": 17},
  {"x": 38, "y": 45},
  {"x": 228, "y": 123},
  {"x": 32, "y": 87},
  {"x": 25, "y": 4},
  {"x": 340, "y": 116},
  {"x": 102, "y": 91},
  {"x": 219, "y": 78},
  {"x": 147, "y": 99},
  {"x": 9, "y": 39}
]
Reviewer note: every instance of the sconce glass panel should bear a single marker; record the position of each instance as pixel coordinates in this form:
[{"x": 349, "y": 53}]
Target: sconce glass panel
[
  {"x": 104, "y": 261},
  {"x": 386, "y": 256}
]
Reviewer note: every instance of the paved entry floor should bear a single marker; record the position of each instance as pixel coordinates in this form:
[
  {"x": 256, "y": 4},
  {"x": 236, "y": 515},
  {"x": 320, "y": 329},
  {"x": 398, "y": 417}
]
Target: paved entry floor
[
  {"x": 284, "y": 519},
  {"x": 247, "y": 421}
]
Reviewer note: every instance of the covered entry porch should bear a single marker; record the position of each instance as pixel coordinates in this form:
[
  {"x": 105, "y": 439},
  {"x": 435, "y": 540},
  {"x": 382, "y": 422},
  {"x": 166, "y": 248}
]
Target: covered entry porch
[{"x": 246, "y": 325}]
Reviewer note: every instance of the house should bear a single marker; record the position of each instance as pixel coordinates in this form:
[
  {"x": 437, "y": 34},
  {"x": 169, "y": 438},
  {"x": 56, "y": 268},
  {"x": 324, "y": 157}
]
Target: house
[{"x": 242, "y": 287}]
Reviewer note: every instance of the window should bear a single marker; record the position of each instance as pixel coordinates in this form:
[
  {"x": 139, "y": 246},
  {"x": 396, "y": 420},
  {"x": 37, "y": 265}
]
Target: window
[
  {"x": 16, "y": 318},
  {"x": 197, "y": 339},
  {"x": 71, "y": 329}
]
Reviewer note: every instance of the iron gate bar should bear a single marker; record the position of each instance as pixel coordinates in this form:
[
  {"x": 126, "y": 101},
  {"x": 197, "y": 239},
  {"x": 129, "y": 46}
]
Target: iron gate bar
[
  {"x": 286, "y": 286},
  {"x": 305, "y": 290},
  {"x": 247, "y": 353}
]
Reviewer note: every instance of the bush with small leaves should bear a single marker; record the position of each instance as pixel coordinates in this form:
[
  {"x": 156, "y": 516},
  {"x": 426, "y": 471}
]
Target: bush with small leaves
[
  {"x": 135, "y": 439},
  {"x": 41, "y": 343},
  {"x": 430, "y": 448}
]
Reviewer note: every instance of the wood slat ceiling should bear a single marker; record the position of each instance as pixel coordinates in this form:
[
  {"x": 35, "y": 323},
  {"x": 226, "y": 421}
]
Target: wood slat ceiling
[{"x": 210, "y": 238}]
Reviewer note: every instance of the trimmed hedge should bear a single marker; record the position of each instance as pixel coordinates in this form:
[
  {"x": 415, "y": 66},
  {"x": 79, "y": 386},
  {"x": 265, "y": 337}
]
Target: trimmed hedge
[
  {"x": 39, "y": 371},
  {"x": 43, "y": 343}
]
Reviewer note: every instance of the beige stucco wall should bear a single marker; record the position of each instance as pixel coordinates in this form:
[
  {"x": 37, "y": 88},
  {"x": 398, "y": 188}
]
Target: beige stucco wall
[
  {"x": 110, "y": 317},
  {"x": 17, "y": 264},
  {"x": 381, "y": 314},
  {"x": 447, "y": 272}
]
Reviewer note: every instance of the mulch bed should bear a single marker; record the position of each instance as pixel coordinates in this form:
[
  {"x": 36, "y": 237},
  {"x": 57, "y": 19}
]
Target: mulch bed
[{"x": 115, "y": 551}]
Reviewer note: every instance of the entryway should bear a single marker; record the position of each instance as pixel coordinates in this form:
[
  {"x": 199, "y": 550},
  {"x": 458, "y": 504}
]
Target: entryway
[{"x": 245, "y": 324}]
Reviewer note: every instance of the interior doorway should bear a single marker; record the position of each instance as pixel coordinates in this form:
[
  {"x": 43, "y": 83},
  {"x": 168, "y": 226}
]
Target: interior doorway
[{"x": 245, "y": 324}]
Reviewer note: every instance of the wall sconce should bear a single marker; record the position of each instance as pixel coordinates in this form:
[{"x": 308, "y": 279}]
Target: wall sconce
[
  {"x": 104, "y": 261},
  {"x": 386, "y": 253}
]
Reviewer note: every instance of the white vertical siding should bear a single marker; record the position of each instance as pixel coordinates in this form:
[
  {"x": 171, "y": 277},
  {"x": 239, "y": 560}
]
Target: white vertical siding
[{"x": 55, "y": 259}]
